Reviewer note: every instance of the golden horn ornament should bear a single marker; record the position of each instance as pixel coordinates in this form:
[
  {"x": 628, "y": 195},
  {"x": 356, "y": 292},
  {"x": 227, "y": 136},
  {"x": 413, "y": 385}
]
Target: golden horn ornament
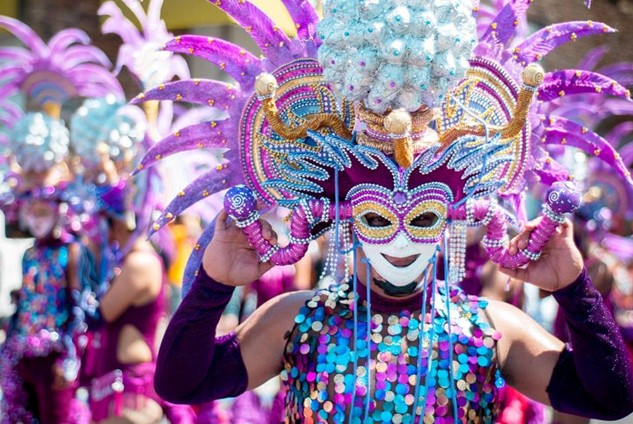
[
  {"x": 532, "y": 76},
  {"x": 266, "y": 86},
  {"x": 398, "y": 124}
]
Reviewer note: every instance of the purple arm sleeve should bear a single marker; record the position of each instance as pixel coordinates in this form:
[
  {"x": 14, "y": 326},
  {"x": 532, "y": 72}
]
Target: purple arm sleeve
[
  {"x": 193, "y": 365},
  {"x": 594, "y": 378}
]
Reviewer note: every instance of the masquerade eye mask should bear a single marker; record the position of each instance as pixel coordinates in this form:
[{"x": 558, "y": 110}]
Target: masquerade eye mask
[{"x": 381, "y": 214}]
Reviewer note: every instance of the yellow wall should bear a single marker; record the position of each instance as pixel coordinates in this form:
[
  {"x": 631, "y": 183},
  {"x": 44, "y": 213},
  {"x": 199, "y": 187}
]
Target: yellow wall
[
  {"x": 184, "y": 14},
  {"x": 9, "y": 8}
]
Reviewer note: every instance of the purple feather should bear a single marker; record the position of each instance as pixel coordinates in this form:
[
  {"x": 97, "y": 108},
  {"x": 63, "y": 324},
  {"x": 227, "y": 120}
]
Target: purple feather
[
  {"x": 154, "y": 21},
  {"x": 579, "y": 108},
  {"x": 570, "y": 81},
  {"x": 621, "y": 72},
  {"x": 627, "y": 154},
  {"x": 591, "y": 59},
  {"x": 14, "y": 53},
  {"x": 622, "y": 247},
  {"x": 619, "y": 106},
  {"x": 66, "y": 38},
  {"x": 241, "y": 65},
  {"x": 503, "y": 28},
  {"x": 76, "y": 55},
  {"x": 271, "y": 39},
  {"x": 7, "y": 91},
  {"x": 204, "y": 186},
  {"x": 202, "y": 92},
  {"x": 618, "y": 134},
  {"x": 304, "y": 16},
  {"x": 25, "y": 34},
  {"x": 549, "y": 171},
  {"x": 539, "y": 44},
  {"x": 561, "y": 131},
  {"x": 96, "y": 81},
  {"x": 136, "y": 8},
  {"x": 205, "y": 134},
  {"x": 117, "y": 23}
]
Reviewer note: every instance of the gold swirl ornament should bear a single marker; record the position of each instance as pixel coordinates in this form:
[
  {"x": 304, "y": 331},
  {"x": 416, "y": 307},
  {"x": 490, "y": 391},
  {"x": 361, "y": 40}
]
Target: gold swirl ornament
[
  {"x": 531, "y": 77},
  {"x": 266, "y": 86},
  {"x": 398, "y": 124}
]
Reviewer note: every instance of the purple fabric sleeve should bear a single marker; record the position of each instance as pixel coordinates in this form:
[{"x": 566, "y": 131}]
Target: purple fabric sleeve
[
  {"x": 593, "y": 377},
  {"x": 193, "y": 365}
]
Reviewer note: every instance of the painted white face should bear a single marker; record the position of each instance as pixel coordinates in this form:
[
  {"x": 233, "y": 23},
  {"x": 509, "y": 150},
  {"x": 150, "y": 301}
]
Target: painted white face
[
  {"x": 41, "y": 219},
  {"x": 401, "y": 262},
  {"x": 40, "y": 227}
]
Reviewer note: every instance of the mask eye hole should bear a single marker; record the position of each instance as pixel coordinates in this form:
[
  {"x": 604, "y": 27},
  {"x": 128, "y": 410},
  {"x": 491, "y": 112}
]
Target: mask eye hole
[
  {"x": 375, "y": 220},
  {"x": 425, "y": 220}
]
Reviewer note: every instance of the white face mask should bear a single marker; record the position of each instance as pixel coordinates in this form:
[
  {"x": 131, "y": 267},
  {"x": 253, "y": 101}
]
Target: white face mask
[
  {"x": 40, "y": 226},
  {"x": 400, "y": 276}
]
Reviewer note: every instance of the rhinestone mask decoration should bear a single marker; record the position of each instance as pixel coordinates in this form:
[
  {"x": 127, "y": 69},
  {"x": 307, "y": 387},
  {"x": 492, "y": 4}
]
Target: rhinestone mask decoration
[{"x": 400, "y": 236}]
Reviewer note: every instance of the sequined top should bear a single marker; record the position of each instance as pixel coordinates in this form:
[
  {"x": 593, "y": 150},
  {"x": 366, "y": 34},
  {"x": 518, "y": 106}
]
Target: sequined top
[
  {"x": 44, "y": 300},
  {"x": 320, "y": 357}
]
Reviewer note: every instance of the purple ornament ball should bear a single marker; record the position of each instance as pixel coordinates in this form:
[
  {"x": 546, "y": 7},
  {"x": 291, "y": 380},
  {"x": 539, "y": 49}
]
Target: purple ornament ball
[
  {"x": 240, "y": 202},
  {"x": 562, "y": 197}
]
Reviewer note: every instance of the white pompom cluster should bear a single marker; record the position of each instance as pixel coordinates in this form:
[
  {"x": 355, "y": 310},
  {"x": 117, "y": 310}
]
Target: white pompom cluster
[
  {"x": 39, "y": 142},
  {"x": 392, "y": 54},
  {"x": 106, "y": 123}
]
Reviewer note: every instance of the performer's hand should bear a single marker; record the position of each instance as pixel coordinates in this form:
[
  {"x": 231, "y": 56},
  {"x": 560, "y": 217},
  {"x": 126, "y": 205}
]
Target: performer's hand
[
  {"x": 229, "y": 259},
  {"x": 560, "y": 262},
  {"x": 59, "y": 379}
]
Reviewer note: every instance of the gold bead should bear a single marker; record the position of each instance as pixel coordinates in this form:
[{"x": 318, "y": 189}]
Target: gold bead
[{"x": 533, "y": 75}]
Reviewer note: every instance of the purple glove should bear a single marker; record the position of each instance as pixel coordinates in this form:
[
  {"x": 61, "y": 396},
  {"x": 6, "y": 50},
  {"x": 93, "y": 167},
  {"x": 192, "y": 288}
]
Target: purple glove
[
  {"x": 193, "y": 366},
  {"x": 595, "y": 378}
]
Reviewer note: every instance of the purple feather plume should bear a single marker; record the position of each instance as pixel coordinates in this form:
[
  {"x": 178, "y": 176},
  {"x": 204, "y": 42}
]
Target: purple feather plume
[
  {"x": 25, "y": 34},
  {"x": 618, "y": 135},
  {"x": 203, "y": 92},
  {"x": 305, "y": 17},
  {"x": 621, "y": 71},
  {"x": 240, "y": 64},
  {"x": 140, "y": 51},
  {"x": 503, "y": 27},
  {"x": 570, "y": 81},
  {"x": 67, "y": 66},
  {"x": 203, "y": 135},
  {"x": 271, "y": 39},
  {"x": 561, "y": 131},
  {"x": 204, "y": 186},
  {"x": 539, "y": 44},
  {"x": 591, "y": 59}
]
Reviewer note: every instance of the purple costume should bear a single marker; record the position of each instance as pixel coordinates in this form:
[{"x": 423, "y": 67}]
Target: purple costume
[
  {"x": 212, "y": 368},
  {"x": 40, "y": 340},
  {"x": 136, "y": 379},
  {"x": 119, "y": 385}
]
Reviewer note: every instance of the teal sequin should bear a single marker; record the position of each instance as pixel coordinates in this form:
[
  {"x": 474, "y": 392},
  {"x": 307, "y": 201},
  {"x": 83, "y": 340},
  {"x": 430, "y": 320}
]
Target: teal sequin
[{"x": 320, "y": 379}]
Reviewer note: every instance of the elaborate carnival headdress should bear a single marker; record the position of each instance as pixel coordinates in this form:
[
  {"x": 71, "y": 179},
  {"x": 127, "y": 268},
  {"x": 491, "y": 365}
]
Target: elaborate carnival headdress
[
  {"x": 106, "y": 130},
  {"x": 47, "y": 75},
  {"x": 428, "y": 120}
]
